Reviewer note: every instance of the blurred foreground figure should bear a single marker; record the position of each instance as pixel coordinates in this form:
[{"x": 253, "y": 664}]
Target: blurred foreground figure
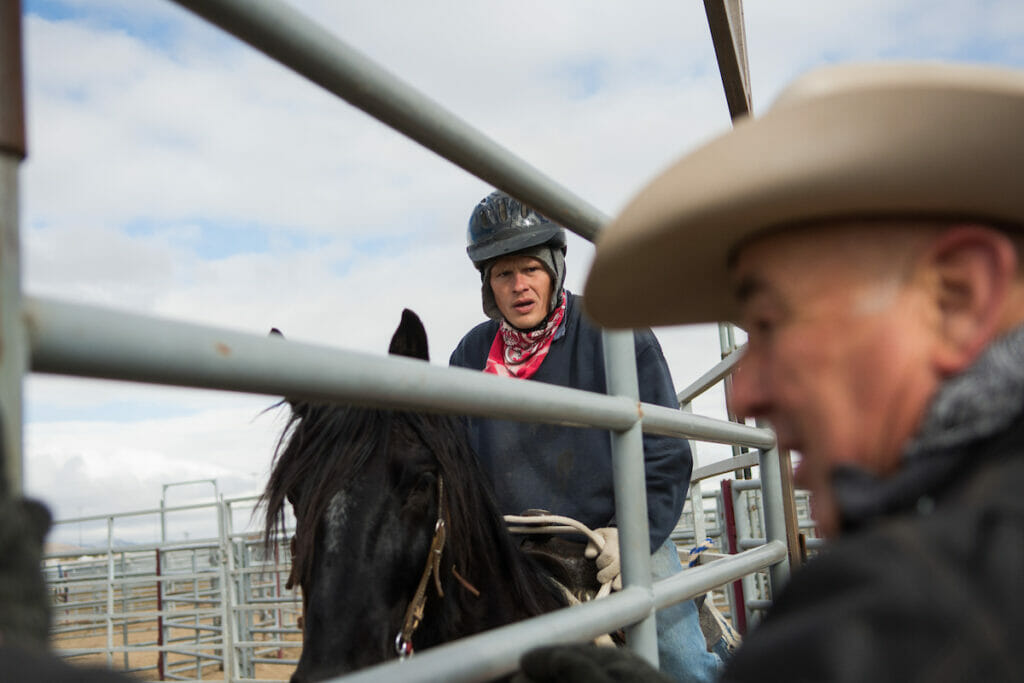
[
  {"x": 24, "y": 604},
  {"x": 866, "y": 232}
]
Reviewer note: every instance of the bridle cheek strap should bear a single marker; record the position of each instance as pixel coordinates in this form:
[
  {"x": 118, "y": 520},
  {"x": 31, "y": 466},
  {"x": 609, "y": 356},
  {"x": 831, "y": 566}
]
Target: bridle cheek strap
[{"x": 414, "y": 612}]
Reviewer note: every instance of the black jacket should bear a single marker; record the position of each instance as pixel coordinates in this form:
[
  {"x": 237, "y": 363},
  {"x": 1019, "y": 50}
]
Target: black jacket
[
  {"x": 568, "y": 470},
  {"x": 933, "y": 591}
]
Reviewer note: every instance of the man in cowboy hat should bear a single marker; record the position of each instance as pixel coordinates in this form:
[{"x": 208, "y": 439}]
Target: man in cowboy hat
[{"x": 868, "y": 234}]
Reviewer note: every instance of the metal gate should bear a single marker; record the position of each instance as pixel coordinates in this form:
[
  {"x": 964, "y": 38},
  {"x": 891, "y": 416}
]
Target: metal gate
[{"x": 53, "y": 336}]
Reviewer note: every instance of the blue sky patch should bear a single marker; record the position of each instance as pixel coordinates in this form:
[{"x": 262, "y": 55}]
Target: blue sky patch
[
  {"x": 213, "y": 241},
  {"x": 135, "y": 19},
  {"x": 583, "y": 79},
  {"x": 114, "y": 411}
]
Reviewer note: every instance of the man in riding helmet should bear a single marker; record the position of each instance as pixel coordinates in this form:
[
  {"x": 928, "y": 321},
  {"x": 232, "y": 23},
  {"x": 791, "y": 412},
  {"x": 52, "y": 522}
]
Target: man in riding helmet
[{"x": 536, "y": 332}]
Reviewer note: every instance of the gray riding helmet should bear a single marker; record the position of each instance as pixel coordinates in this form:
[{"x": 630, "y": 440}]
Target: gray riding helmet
[{"x": 501, "y": 225}]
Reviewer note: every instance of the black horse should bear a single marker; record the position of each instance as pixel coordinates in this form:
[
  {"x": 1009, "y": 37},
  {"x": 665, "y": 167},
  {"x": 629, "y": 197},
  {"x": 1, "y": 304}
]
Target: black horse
[{"x": 399, "y": 544}]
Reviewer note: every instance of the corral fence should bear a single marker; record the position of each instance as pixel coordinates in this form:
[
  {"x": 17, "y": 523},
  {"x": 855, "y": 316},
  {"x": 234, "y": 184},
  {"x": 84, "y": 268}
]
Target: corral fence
[
  {"x": 215, "y": 607},
  {"x": 54, "y": 336}
]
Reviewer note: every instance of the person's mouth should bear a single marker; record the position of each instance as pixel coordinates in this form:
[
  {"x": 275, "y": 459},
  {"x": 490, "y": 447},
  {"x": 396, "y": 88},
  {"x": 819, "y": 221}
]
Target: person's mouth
[{"x": 523, "y": 307}]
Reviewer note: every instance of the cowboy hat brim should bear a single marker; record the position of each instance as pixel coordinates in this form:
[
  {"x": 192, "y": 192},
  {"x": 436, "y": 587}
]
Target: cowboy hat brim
[{"x": 918, "y": 141}]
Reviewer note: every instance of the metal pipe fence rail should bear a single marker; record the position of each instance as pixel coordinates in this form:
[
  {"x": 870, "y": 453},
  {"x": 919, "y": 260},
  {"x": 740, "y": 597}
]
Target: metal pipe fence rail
[
  {"x": 52, "y": 336},
  {"x": 264, "y": 635},
  {"x": 179, "y": 612}
]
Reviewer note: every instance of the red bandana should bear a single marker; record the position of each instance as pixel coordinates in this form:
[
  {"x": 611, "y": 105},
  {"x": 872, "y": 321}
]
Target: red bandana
[{"x": 515, "y": 353}]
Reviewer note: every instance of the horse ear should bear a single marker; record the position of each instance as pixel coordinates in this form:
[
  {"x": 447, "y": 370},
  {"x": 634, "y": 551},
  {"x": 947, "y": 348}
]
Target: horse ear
[
  {"x": 296, "y": 405},
  {"x": 410, "y": 339}
]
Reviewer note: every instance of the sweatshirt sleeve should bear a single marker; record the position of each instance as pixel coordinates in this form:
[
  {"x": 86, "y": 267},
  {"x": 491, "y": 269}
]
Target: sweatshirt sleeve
[{"x": 668, "y": 461}]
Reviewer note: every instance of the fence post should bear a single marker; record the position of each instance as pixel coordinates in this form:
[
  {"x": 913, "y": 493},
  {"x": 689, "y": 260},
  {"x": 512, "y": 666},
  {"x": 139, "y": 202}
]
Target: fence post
[
  {"x": 13, "y": 346},
  {"x": 695, "y": 492},
  {"x": 227, "y": 568},
  {"x": 110, "y": 592},
  {"x": 631, "y": 488},
  {"x": 774, "y": 503},
  {"x": 739, "y": 615},
  {"x": 160, "y": 655}
]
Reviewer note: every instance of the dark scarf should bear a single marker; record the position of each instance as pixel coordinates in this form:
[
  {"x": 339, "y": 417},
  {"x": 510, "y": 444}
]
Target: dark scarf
[{"x": 969, "y": 408}]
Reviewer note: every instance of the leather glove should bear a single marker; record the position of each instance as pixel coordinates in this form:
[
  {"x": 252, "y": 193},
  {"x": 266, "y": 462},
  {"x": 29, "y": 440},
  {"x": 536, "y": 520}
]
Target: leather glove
[
  {"x": 579, "y": 663},
  {"x": 608, "y": 566}
]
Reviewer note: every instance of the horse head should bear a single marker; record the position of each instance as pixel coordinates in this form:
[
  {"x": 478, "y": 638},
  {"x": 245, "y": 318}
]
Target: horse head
[{"x": 374, "y": 493}]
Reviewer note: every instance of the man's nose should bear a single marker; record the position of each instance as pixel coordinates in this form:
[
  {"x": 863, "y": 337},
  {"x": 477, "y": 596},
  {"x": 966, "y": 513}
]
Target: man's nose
[
  {"x": 519, "y": 282},
  {"x": 747, "y": 396}
]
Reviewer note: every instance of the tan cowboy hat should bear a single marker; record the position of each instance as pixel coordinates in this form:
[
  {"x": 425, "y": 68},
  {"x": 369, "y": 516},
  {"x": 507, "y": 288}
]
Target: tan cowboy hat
[{"x": 921, "y": 140}]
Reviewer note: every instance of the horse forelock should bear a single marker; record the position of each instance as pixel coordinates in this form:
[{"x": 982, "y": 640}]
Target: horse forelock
[{"x": 322, "y": 449}]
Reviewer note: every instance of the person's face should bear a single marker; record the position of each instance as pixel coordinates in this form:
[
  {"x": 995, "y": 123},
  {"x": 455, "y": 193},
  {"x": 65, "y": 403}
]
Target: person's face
[
  {"x": 839, "y": 332},
  {"x": 522, "y": 289}
]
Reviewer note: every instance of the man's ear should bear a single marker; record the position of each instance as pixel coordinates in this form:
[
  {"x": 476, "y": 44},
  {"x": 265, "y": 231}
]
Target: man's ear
[{"x": 974, "y": 268}]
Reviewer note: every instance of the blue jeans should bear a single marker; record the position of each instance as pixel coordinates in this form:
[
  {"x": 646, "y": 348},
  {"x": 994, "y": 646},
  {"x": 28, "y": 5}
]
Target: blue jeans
[{"x": 682, "y": 650}]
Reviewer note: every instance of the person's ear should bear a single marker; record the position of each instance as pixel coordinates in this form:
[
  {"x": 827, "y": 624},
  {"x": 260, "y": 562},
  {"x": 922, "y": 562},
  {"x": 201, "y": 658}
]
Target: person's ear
[{"x": 974, "y": 268}]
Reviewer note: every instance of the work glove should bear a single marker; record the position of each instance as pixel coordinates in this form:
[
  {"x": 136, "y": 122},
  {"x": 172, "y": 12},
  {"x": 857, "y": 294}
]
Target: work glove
[{"x": 608, "y": 566}]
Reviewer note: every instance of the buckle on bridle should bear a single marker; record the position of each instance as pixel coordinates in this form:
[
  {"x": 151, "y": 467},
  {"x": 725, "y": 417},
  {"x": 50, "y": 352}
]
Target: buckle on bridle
[{"x": 403, "y": 647}]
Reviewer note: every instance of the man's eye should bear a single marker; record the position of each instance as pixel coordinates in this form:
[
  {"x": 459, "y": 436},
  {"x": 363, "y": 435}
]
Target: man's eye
[{"x": 761, "y": 327}]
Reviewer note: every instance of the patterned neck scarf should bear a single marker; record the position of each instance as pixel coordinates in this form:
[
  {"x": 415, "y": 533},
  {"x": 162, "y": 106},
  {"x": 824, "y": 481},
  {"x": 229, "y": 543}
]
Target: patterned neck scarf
[{"x": 518, "y": 353}]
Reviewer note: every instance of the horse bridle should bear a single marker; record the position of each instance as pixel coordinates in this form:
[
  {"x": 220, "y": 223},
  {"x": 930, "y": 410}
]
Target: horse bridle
[{"x": 414, "y": 612}]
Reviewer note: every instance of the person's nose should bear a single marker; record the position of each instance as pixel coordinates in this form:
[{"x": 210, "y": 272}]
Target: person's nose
[
  {"x": 519, "y": 282},
  {"x": 747, "y": 395}
]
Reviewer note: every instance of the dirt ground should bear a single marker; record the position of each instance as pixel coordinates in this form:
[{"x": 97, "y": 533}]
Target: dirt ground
[{"x": 148, "y": 660}]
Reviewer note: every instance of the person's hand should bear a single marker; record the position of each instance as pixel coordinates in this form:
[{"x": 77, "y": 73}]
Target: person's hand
[{"x": 608, "y": 566}]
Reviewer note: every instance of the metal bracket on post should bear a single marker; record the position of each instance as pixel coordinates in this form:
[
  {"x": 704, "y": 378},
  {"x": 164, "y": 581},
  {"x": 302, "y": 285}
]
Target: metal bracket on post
[{"x": 631, "y": 488}]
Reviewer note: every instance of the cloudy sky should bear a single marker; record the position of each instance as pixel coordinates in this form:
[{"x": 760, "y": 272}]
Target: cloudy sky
[{"x": 176, "y": 172}]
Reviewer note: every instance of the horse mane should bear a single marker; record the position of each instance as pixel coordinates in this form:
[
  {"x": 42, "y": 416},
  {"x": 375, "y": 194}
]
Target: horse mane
[
  {"x": 325, "y": 445},
  {"x": 341, "y": 439}
]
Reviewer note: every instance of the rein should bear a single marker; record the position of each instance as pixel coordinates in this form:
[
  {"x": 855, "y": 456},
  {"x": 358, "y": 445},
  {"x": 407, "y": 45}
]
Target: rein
[
  {"x": 557, "y": 524},
  {"x": 536, "y": 524}
]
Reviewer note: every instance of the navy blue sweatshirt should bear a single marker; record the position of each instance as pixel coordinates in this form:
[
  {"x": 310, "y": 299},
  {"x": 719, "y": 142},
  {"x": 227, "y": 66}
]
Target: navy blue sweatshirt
[{"x": 568, "y": 470}]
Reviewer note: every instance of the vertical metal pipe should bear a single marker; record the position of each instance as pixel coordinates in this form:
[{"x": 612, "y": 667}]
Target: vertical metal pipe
[
  {"x": 13, "y": 345},
  {"x": 774, "y": 512},
  {"x": 160, "y": 655},
  {"x": 727, "y": 345},
  {"x": 739, "y": 613},
  {"x": 696, "y": 495},
  {"x": 195, "y": 614},
  {"x": 631, "y": 488},
  {"x": 110, "y": 592},
  {"x": 124, "y": 609},
  {"x": 227, "y": 601}
]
